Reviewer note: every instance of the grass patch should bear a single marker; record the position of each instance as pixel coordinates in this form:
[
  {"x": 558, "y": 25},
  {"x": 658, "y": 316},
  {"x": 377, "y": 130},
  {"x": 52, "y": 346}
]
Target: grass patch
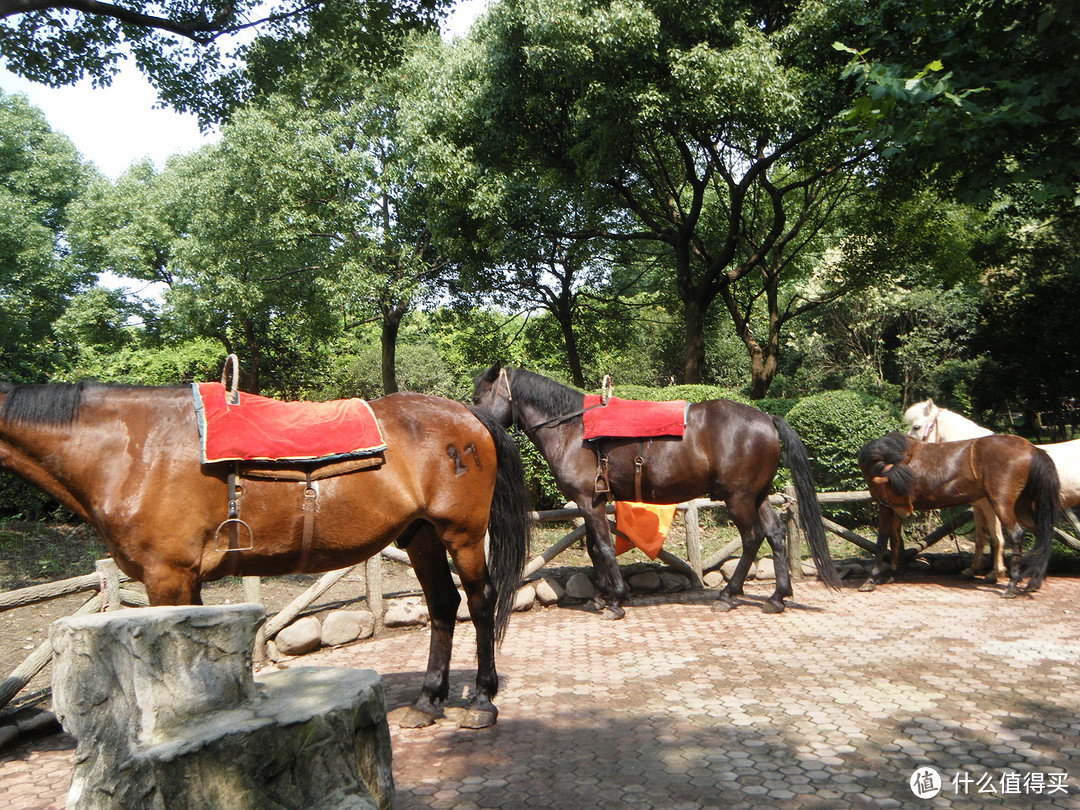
[{"x": 33, "y": 552}]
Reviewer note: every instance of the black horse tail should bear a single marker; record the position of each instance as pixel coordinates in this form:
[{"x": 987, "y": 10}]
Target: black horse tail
[
  {"x": 510, "y": 522},
  {"x": 1043, "y": 491},
  {"x": 798, "y": 462}
]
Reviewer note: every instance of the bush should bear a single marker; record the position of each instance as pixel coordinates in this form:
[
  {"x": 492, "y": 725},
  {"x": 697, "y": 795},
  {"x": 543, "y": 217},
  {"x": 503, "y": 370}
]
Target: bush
[{"x": 834, "y": 425}]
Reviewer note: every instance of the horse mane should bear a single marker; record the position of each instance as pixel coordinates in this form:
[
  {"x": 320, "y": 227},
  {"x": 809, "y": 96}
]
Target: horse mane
[
  {"x": 52, "y": 404},
  {"x": 883, "y": 457},
  {"x": 546, "y": 395}
]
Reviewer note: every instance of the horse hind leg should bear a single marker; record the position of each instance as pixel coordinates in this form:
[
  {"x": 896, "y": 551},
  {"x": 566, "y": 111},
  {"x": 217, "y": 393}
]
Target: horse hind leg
[
  {"x": 1015, "y": 537},
  {"x": 743, "y": 514},
  {"x": 776, "y": 534},
  {"x": 429, "y": 562}
]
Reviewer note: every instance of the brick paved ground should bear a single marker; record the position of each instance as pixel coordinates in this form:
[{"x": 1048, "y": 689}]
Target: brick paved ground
[{"x": 831, "y": 705}]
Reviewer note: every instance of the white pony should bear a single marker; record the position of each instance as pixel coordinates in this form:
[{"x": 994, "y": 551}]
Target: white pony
[{"x": 933, "y": 424}]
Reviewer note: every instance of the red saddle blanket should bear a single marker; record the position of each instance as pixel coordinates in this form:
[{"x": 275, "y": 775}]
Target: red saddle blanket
[
  {"x": 263, "y": 429},
  {"x": 629, "y": 418}
]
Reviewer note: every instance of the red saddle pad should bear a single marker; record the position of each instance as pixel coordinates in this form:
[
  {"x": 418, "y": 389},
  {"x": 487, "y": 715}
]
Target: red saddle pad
[
  {"x": 264, "y": 429},
  {"x": 630, "y": 418}
]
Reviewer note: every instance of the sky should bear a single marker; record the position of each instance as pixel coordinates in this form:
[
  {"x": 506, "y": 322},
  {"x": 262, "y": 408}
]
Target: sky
[{"x": 118, "y": 125}]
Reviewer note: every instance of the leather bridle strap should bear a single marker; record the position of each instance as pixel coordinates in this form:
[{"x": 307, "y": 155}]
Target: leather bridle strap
[{"x": 932, "y": 429}]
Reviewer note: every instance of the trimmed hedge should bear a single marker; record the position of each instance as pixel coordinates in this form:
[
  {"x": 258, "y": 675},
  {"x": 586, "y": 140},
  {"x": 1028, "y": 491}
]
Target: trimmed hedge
[{"x": 834, "y": 425}]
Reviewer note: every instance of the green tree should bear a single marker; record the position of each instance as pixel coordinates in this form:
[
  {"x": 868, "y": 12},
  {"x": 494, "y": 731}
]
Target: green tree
[
  {"x": 981, "y": 94},
  {"x": 709, "y": 134},
  {"x": 41, "y": 174},
  {"x": 205, "y": 57}
]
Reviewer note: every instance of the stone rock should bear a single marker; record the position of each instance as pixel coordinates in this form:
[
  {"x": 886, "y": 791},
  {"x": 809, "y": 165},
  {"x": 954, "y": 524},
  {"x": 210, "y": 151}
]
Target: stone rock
[
  {"x": 549, "y": 591},
  {"x": 524, "y": 598},
  {"x": 166, "y": 714},
  {"x": 714, "y": 579},
  {"x": 405, "y": 613},
  {"x": 343, "y": 626},
  {"x": 766, "y": 569},
  {"x": 809, "y": 569},
  {"x": 645, "y": 582},
  {"x": 670, "y": 582},
  {"x": 301, "y": 637},
  {"x": 728, "y": 568},
  {"x": 579, "y": 586}
]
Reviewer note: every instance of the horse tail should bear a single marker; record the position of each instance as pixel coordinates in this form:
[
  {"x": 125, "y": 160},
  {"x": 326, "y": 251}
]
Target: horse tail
[
  {"x": 510, "y": 522},
  {"x": 797, "y": 461},
  {"x": 1044, "y": 491}
]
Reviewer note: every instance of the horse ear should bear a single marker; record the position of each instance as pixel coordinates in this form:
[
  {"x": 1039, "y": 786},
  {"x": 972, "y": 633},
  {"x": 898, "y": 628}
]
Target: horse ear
[
  {"x": 929, "y": 404},
  {"x": 493, "y": 372}
]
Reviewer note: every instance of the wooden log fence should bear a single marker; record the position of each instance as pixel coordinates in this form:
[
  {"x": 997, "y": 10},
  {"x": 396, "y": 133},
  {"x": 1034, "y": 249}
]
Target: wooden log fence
[{"x": 107, "y": 579}]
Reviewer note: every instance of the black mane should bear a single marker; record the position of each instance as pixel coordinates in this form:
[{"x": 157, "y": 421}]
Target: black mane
[
  {"x": 546, "y": 395},
  {"x": 875, "y": 456},
  {"x": 53, "y": 404}
]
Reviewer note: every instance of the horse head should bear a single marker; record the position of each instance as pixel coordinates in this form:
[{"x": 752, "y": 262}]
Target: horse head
[
  {"x": 923, "y": 418},
  {"x": 887, "y": 476},
  {"x": 491, "y": 390}
]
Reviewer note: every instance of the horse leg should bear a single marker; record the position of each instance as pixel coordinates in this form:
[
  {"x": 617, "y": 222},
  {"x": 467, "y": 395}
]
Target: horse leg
[
  {"x": 612, "y": 588},
  {"x": 1015, "y": 536},
  {"x": 980, "y": 542},
  {"x": 997, "y": 548},
  {"x": 429, "y": 561},
  {"x": 743, "y": 514},
  {"x": 481, "y": 597},
  {"x": 776, "y": 534},
  {"x": 889, "y": 532}
]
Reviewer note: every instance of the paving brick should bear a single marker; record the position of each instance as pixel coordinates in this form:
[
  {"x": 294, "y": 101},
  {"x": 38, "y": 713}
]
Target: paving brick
[{"x": 831, "y": 704}]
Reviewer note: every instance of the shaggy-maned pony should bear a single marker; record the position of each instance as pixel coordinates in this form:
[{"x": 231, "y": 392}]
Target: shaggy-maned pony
[
  {"x": 1018, "y": 480},
  {"x": 935, "y": 424}
]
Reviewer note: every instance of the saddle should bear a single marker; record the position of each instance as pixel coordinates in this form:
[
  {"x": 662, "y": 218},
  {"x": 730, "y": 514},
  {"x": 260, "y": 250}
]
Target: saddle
[
  {"x": 608, "y": 417},
  {"x": 281, "y": 441}
]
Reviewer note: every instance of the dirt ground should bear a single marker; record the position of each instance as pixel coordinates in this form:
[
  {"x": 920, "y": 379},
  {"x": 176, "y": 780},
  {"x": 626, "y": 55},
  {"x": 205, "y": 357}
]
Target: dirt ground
[{"x": 23, "y": 629}]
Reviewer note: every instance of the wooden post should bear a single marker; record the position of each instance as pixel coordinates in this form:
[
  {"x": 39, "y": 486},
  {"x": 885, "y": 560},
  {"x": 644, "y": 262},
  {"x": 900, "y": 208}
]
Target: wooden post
[
  {"x": 691, "y": 518},
  {"x": 110, "y": 583},
  {"x": 373, "y": 583},
  {"x": 253, "y": 593},
  {"x": 794, "y": 536}
]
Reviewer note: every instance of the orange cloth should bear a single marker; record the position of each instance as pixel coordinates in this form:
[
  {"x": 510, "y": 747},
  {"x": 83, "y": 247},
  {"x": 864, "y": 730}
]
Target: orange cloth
[{"x": 645, "y": 525}]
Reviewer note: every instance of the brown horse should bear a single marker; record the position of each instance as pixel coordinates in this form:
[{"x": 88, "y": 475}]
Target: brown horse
[
  {"x": 729, "y": 452},
  {"x": 1019, "y": 481},
  {"x": 127, "y": 460}
]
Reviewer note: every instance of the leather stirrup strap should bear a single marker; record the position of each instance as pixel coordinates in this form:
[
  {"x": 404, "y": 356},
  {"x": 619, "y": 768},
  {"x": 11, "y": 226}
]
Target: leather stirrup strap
[
  {"x": 639, "y": 462},
  {"x": 308, "y": 508}
]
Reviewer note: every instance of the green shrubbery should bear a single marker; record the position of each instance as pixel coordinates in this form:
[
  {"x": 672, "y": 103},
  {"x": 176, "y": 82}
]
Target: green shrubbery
[{"x": 834, "y": 425}]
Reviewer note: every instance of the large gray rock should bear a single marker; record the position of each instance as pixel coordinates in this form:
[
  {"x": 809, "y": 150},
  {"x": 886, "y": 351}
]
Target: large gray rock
[
  {"x": 343, "y": 626},
  {"x": 549, "y": 591},
  {"x": 579, "y": 586},
  {"x": 301, "y": 637},
  {"x": 168, "y": 716}
]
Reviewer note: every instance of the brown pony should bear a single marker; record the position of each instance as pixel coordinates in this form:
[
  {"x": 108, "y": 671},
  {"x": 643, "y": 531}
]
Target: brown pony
[
  {"x": 127, "y": 460},
  {"x": 1019, "y": 481},
  {"x": 729, "y": 452}
]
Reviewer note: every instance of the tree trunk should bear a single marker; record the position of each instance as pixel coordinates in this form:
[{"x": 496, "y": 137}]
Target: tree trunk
[
  {"x": 694, "y": 363},
  {"x": 564, "y": 315},
  {"x": 391, "y": 323}
]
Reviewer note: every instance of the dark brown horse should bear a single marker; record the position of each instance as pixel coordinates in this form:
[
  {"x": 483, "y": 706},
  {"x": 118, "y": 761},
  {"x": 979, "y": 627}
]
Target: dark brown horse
[
  {"x": 729, "y": 452},
  {"x": 127, "y": 460},
  {"x": 1018, "y": 479}
]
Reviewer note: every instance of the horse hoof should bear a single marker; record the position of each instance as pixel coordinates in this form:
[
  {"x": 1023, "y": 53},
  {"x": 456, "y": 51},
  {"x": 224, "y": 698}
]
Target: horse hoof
[
  {"x": 723, "y": 604},
  {"x": 414, "y": 718},
  {"x": 990, "y": 579},
  {"x": 772, "y": 607},
  {"x": 479, "y": 717},
  {"x": 1010, "y": 593},
  {"x": 612, "y": 613},
  {"x": 868, "y": 586}
]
